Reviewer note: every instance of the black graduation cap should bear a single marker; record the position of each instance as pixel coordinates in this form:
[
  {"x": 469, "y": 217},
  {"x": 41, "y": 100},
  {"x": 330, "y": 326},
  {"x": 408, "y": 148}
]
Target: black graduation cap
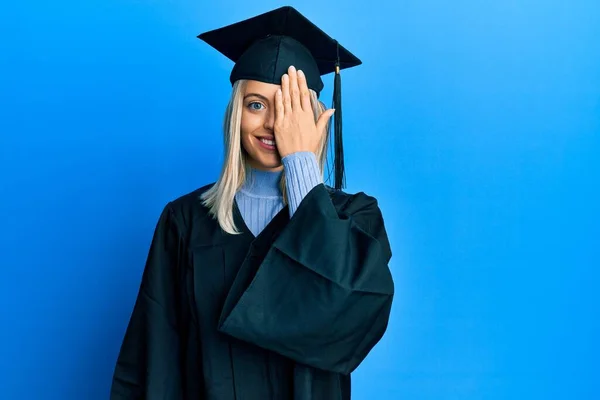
[{"x": 264, "y": 46}]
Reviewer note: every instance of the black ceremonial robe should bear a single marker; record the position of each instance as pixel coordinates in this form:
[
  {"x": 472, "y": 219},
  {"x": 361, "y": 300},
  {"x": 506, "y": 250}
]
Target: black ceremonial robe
[{"x": 288, "y": 314}]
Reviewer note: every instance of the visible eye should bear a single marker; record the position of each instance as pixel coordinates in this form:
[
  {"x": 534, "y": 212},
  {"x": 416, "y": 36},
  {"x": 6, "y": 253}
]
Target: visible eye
[{"x": 253, "y": 105}]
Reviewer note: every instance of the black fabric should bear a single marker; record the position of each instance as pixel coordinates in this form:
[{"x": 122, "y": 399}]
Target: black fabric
[
  {"x": 264, "y": 46},
  {"x": 288, "y": 314}
]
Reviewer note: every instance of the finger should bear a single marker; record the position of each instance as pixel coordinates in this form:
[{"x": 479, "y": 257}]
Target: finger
[
  {"x": 323, "y": 119},
  {"x": 304, "y": 93},
  {"x": 285, "y": 89},
  {"x": 279, "y": 109},
  {"x": 294, "y": 90}
]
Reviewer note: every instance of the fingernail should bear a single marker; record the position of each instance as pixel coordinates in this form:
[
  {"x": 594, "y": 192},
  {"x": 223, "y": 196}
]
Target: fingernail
[{"x": 300, "y": 72}]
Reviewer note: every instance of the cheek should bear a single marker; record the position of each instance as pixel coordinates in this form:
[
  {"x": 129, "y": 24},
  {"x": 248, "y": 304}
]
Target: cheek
[{"x": 250, "y": 122}]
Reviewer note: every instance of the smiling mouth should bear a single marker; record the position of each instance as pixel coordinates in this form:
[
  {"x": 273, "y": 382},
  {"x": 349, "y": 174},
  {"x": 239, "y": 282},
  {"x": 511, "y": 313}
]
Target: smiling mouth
[
  {"x": 267, "y": 144},
  {"x": 267, "y": 141}
]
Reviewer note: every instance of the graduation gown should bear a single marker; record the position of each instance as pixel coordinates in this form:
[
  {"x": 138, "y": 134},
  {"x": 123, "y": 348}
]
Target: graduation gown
[{"x": 288, "y": 314}]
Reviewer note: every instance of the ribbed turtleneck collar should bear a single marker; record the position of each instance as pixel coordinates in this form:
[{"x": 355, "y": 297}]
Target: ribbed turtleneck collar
[{"x": 261, "y": 183}]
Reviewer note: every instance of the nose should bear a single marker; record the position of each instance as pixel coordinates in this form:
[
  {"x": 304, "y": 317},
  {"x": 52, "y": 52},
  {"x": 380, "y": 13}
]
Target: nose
[{"x": 270, "y": 119}]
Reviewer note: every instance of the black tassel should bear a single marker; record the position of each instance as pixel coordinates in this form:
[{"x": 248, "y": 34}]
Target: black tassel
[{"x": 338, "y": 144}]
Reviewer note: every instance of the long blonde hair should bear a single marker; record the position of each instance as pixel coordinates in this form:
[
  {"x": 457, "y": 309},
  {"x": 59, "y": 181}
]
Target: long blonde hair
[{"x": 220, "y": 197}]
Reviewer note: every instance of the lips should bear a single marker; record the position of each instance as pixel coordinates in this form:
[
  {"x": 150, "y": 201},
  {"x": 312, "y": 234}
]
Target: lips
[{"x": 270, "y": 147}]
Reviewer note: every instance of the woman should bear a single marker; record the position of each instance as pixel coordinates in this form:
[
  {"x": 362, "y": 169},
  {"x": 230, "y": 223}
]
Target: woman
[{"x": 266, "y": 284}]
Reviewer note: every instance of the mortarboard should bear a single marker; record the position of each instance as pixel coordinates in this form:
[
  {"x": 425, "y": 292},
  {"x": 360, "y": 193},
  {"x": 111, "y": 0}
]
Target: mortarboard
[{"x": 264, "y": 46}]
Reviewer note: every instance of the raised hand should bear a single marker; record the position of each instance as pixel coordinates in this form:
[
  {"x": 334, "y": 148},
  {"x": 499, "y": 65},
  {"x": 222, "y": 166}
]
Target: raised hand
[{"x": 295, "y": 127}]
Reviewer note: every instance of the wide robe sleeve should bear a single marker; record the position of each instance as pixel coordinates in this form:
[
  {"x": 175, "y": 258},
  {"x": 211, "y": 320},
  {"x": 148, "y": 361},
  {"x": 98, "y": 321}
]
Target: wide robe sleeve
[
  {"x": 323, "y": 293},
  {"x": 148, "y": 365}
]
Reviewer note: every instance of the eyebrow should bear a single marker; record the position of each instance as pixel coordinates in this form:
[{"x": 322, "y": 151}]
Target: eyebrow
[{"x": 260, "y": 96}]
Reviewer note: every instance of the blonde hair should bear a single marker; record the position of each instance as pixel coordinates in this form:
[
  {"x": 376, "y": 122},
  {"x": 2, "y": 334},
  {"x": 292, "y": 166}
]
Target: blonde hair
[{"x": 220, "y": 197}]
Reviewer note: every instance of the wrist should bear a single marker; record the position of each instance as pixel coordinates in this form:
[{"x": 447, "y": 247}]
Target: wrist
[{"x": 299, "y": 154}]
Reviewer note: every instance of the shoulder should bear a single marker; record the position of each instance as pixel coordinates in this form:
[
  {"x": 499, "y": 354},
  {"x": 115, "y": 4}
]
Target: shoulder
[
  {"x": 188, "y": 208},
  {"x": 351, "y": 203}
]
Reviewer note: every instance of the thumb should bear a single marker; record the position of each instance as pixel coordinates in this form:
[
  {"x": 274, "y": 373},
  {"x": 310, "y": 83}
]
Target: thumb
[{"x": 322, "y": 121}]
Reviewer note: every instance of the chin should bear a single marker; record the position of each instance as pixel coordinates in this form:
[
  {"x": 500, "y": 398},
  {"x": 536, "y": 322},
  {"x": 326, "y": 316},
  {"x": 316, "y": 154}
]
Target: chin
[
  {"x": 271, "y": 165},
  {"x": 267, "y": 162}
]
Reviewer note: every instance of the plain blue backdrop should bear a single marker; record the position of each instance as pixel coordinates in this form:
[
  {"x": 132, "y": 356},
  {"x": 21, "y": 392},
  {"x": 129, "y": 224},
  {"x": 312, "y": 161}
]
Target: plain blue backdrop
[{"x": 475, "y": 123}]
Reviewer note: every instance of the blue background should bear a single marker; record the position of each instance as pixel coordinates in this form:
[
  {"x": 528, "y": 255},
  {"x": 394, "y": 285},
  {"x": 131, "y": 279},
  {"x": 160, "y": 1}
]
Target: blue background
[{"x": 475, "y": 123}]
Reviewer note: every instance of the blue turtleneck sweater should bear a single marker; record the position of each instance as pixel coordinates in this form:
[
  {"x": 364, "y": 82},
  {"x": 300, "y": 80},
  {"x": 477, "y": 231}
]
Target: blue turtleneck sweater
[{"x": 260, "y": 198}]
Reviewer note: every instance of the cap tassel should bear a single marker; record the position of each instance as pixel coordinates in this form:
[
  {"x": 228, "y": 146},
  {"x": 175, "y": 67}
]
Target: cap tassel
[{"x": 338, "y": 144}]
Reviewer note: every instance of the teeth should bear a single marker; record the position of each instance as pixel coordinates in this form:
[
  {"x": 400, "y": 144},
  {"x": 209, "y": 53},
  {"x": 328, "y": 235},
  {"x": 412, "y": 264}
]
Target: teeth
[{"x": 269, "y": 142}]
